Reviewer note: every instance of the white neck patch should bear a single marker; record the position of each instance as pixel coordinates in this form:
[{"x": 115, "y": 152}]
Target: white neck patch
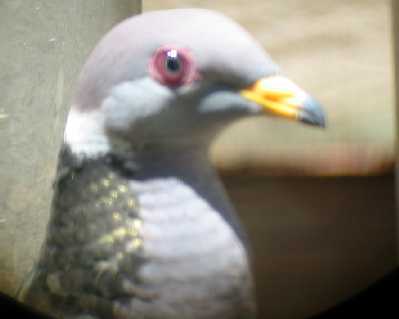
[
  {"x": 85, "y": 134},
  {"x": 85, "y": 130}
]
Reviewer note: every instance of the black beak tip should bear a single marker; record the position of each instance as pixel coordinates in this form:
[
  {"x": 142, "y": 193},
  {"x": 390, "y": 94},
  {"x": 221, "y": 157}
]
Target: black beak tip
[{"x": 312, "y": 113}]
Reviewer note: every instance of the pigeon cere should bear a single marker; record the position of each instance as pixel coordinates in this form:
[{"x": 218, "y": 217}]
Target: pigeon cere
[{"x": 140, "y": 223}]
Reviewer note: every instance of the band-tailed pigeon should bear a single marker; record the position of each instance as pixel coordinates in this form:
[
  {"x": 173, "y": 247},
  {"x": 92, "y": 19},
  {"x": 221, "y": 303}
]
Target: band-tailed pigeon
[{"x": 140, "y": 225}]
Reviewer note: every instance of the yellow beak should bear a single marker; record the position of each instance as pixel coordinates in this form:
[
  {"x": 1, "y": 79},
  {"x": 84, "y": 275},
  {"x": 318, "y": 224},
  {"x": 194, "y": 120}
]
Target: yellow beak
[{"x": 279, "y": 96}]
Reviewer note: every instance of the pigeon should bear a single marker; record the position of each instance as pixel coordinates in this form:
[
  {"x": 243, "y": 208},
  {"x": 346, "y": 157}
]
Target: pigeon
[{"x": 140, "y": 224}]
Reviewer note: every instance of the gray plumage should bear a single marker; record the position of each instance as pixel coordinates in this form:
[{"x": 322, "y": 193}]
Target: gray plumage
[{"x": 140, "y": 225}]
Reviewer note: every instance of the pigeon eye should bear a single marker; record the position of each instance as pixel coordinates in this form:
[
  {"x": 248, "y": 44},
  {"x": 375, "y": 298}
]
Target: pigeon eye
[
  {"x": 173, "y": 66},
  {"x": 172, "y": 62}
]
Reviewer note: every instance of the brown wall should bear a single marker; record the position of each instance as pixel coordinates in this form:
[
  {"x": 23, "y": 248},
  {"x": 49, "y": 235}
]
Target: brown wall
[{"x": 316, "y": 240}]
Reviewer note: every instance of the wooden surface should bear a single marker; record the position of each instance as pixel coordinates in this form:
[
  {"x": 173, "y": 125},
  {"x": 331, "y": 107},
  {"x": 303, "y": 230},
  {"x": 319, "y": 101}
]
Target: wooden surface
[
  {"x": 395, "y": 39},
  {"x": 338, "y": 51},
  {"x": 43, "y": 46}
]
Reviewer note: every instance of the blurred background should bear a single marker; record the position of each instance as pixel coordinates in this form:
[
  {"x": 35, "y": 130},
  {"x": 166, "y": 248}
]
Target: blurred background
[{"x": 318, "y": 204}]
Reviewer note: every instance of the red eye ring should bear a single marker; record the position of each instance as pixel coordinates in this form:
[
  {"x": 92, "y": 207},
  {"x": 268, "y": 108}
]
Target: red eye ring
[{"x": 173, "y": 66}]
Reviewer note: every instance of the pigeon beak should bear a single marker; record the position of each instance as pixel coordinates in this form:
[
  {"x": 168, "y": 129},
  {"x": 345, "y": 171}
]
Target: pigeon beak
[{"x": 279, "y": 96}]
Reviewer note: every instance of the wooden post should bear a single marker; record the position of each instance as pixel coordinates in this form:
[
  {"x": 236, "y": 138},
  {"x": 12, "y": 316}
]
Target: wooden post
[
  {"x": 43, "y": 46},
  {"x": 395, "y": 39}
]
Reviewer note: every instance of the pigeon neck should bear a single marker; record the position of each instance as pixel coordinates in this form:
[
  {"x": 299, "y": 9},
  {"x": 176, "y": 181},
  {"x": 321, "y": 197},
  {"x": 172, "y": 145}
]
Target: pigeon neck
[
  {"x": 85, "y": 134},
  {"x": 177, "y": 160},
  {"x": 187, "y": 164},
  {"x": 185, "y": 161},
  {"x": 191, "y": 166}
]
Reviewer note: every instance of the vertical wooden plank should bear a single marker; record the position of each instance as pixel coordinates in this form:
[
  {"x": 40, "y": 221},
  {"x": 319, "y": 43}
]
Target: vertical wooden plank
[
  {"x": 43, "y": 45},
  {"x": 395, "y": 39}
]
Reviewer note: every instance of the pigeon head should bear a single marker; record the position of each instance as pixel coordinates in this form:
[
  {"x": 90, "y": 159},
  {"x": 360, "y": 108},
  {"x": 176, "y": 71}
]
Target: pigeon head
[{"x": 177, "y": 77}]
